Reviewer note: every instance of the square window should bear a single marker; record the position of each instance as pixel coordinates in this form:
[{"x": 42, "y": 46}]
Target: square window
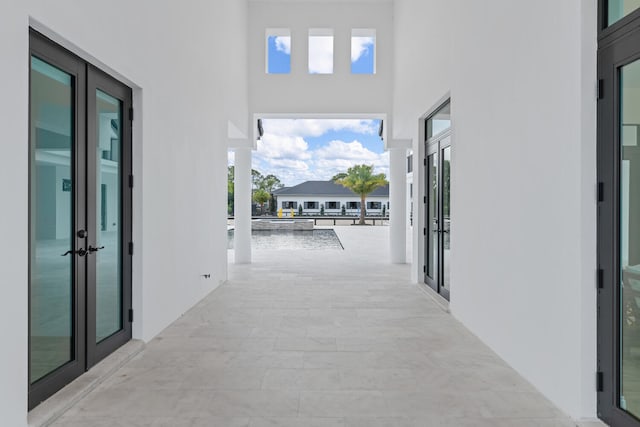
[
  {"x": 320, "y": 51},
  {"x": 363, "y": 51},
  {"x": 332, "y": 205},
  {"x": 278, "y": 51},
  {"x": 289, "y": 205}
]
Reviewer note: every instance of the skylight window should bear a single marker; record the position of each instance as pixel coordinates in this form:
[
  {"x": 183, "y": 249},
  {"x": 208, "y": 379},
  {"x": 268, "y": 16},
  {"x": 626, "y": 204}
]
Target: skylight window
[
  {"x": 278, "y": 51},
  {"x": 320, "y": 51},
  {"x": 363, "y": 51}
]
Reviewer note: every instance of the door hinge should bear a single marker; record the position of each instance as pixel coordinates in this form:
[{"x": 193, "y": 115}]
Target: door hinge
[
  {"x": 424, "y": 268},
  {"x": 425, "y": 200},
  {"x": 599, "y": 381},
  {"x": 131, "y": 114},
  {"x": 130, "y": 181},
  {"x": 424, "y": 231},
  {"x": 131, "y": 315},
  {"x": 425, "y": 162},
  {"x": 130, "y": 248},
  {"x": 600, "y": 278},
  {"x": 600, "y": 89},
  {"x": 601, "y": 192}
]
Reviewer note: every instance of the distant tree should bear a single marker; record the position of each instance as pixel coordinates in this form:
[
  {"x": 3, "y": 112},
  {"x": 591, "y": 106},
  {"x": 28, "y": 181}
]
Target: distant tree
[
  {"x": 261, "y": 197},
  {"x": 361, "y": 180},
  {"x": 270, "y": 183},
  {"x": 384, "y": 209},
  {"x": 300, "y": 209},
  {"x": 343, "y": 210},
  {"x": 256, "y": 179},
  {"x": 322, "y": 210}
]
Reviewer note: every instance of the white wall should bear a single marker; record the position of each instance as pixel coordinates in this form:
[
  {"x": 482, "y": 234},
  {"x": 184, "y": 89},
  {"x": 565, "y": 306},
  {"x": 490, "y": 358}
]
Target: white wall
[
  {"x": 323, "y": 199},
  {"x": 301, "y": 92},
  {"x": 186, "y": 87},
  {"x": 521, "y": 77}
]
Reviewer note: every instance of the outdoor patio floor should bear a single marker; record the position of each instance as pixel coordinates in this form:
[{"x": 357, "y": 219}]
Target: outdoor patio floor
[{"x": 316, "y": 339}]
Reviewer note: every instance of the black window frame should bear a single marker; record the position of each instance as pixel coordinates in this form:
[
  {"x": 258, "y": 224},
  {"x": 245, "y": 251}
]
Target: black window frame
[{"x": 332, "y": 205}]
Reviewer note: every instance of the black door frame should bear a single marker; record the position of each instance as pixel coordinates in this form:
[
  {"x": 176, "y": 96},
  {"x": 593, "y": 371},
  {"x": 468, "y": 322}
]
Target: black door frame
[
  {"x": 618, "y": 45},
  {"x": 436, "y": 146},
  {"x": 86, "y": 79}
]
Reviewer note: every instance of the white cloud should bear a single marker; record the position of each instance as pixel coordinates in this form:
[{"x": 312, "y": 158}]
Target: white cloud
[
  {"x": 283, "y": 44},
  {"x": 359, "y": 46},
  {"x": 321, "y": 54},
  {"x": 317, "y": 127},
  {"x": 282, "y": 147},
  {"x": 345, "y": 150}
]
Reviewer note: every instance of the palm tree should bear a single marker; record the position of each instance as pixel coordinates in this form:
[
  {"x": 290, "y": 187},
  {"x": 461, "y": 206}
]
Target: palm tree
[{"x": 361, "y": 180}]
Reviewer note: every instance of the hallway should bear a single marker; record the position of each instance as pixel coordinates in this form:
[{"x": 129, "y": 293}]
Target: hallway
[{"x": 316, "y": 339}]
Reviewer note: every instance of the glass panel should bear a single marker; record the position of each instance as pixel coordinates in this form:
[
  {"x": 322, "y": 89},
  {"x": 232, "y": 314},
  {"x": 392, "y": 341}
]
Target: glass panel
[
  {"x": 108, "y": 266},
  {"x": 279, "y": 53},
  {"x": 320, "y": 51},
  {"x": 630, "y": 239},
  {"x": 446, "y": 215},
  {"x": 363, "y": 43},
  {"x": 51, "y": 212},
  {"x": 618, "y": 9},
  {"x": 440, "y": 121},
  {"x": 432, "y": 217}
]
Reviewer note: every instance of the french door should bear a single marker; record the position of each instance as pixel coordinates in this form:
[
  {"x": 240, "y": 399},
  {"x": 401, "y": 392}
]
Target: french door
[
  {"x": 437, "y": 244},
  {"x": 80, "y": 217}
]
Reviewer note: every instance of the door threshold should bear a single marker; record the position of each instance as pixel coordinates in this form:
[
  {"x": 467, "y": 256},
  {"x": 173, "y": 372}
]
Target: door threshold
[
  {"x": 54, "y": 407},
  {"x": 436, "y": 297}
]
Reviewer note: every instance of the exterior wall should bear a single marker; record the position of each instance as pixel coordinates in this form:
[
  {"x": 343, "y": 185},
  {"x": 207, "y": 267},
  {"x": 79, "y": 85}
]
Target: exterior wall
[
  {"x": 176, "y": 58},
  {"x": 301, "y": 92},
  {"x": 323, "y": 199},
  {"x": 521, "y": 76}
]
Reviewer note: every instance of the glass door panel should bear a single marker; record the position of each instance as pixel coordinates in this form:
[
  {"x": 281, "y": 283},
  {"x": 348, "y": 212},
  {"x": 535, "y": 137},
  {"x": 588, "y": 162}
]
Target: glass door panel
[
  {"x": 431, "y": 241},
  {"x": 618, "y": 9},
  {"x": 108, "y": 208},
  {"x": 51, "y": 266},
  {"x": 446, "y": 215},
  {"x": 630, "y": 238}
]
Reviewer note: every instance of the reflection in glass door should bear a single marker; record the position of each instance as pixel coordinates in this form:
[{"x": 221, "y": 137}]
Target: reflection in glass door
[
  {"x": 108, "y": 268},
  {"x": 52, "y": 219},
  {"x": 431, "y": 224}
]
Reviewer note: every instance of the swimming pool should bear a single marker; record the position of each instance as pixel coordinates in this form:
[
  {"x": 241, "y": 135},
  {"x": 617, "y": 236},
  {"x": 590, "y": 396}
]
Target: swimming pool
[{"x": 290, "y": 239}]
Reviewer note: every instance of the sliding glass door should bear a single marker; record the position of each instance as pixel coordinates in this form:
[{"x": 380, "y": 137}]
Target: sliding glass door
[{"x": 79, "y": 274}]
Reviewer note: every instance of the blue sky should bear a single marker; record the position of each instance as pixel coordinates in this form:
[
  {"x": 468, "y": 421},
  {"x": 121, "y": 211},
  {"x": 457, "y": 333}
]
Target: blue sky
[
  {"x": 317, "y": 149},
  {"x": 320, "y": 55}
]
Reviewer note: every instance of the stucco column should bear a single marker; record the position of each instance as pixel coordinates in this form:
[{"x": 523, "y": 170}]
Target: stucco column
[
  {"x": 242, "y": 206},
  {"x": 398, "y": 208}
]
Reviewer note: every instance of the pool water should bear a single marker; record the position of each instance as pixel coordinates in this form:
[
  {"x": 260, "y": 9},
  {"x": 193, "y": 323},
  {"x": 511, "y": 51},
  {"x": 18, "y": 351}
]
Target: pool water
[{"x": 290, "y": 239}]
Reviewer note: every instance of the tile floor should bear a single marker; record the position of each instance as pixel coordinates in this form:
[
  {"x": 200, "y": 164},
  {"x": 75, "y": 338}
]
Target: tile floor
[{"x": 322, "y": 338}]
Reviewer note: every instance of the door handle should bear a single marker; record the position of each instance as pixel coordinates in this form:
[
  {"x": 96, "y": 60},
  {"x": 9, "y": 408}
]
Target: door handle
[
  {"x": 80, "y": 252},
  {"x": 91, "y": 249}
]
